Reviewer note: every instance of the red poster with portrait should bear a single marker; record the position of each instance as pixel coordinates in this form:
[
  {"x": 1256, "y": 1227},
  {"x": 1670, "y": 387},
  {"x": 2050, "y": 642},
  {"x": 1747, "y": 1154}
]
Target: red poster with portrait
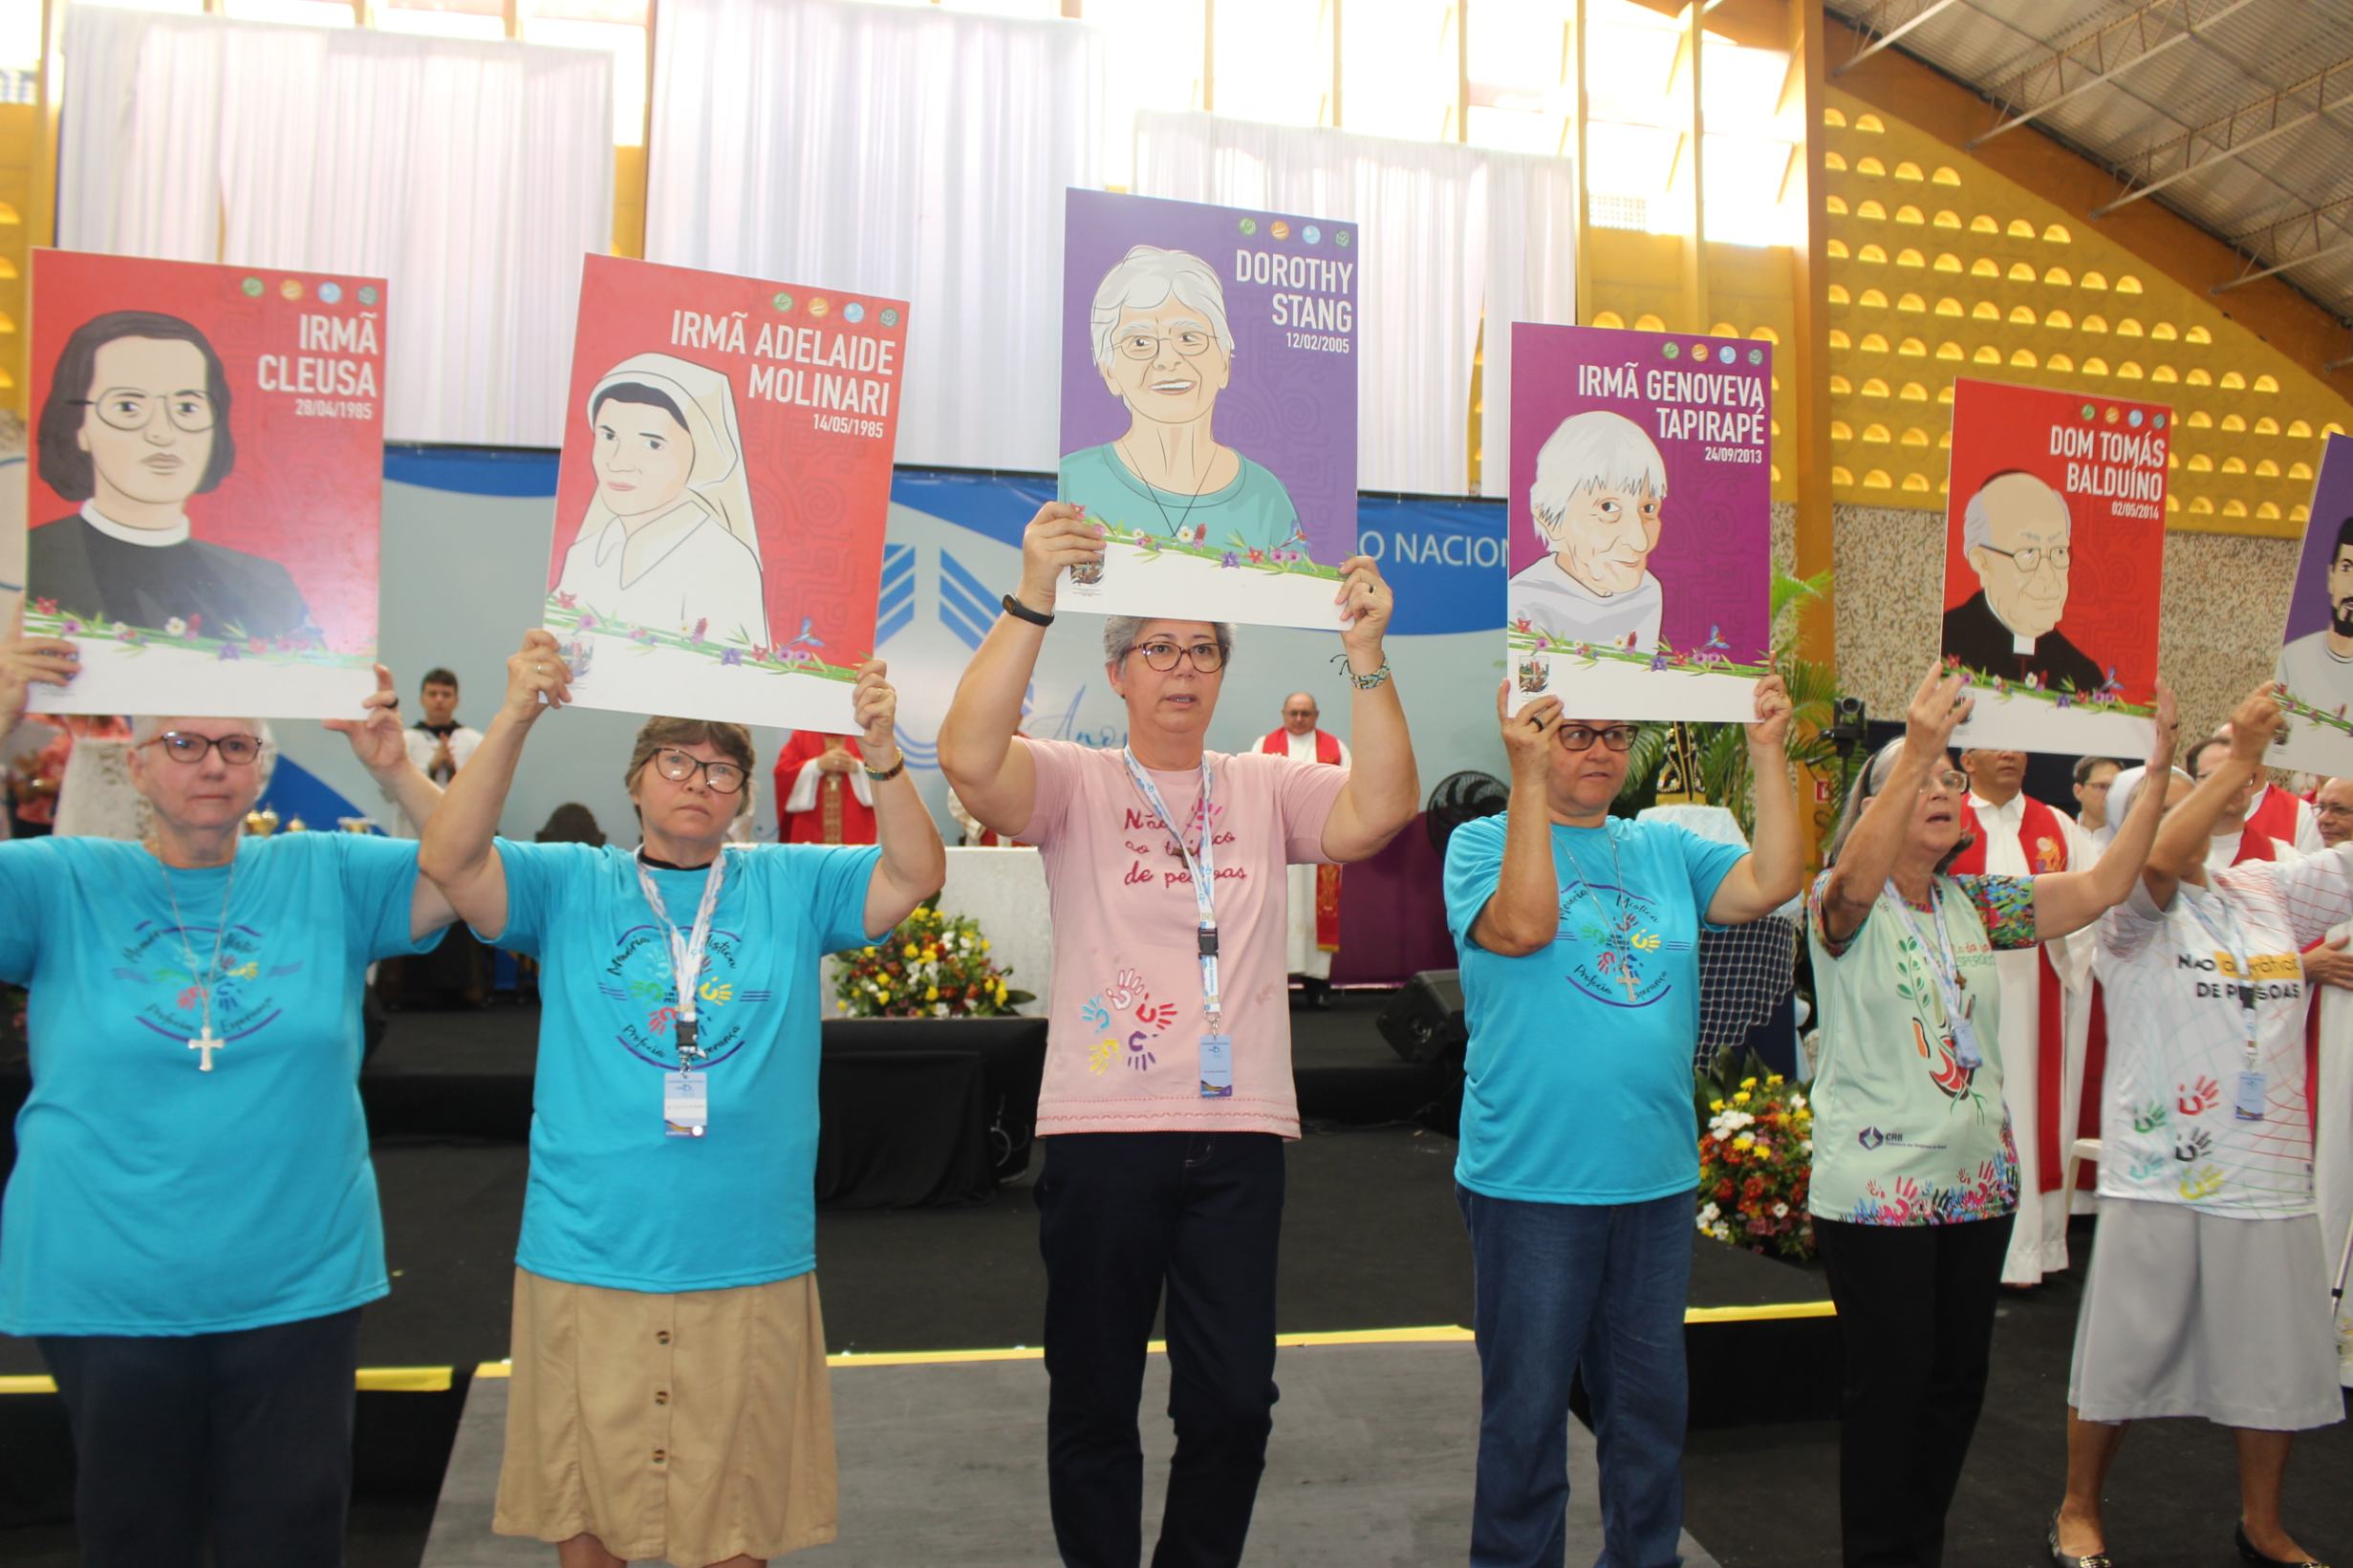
[
  {"x": 2054, "y": 561},
  {"x": 207, "y": 473},
  {"x": 725, "y": 481}
]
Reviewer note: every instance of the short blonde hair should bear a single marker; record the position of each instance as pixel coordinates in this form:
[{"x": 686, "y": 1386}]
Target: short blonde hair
[{"x": 658, "y": 732}]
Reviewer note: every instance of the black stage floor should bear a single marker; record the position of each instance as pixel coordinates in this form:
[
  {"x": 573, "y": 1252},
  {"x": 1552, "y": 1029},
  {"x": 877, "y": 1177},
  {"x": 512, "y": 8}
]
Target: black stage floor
[{"x": 1372, "y": 1240}]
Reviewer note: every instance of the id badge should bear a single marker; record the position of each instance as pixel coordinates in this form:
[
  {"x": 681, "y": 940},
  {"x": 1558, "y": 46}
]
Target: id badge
[
  {"x": 1965, "y": 1049},
  {"x": 685, "y": 1104},
  {"x": 2249, "y": 1106},
  {"x": 1217, "y": 1066}
]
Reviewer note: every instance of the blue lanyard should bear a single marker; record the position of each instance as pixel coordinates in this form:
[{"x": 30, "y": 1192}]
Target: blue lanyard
[{"x": 1200, "y": 866}]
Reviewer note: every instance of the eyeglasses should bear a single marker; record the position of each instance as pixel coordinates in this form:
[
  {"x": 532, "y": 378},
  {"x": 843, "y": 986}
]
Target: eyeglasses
[
  {"x": 1949, "y": 779},
  {"x": 1581, "y": 736},
  {"x": 2333, "y": 813},
  {"x": 678, "y": 767},
  {"x": 236, "y": 748},
  {"x": 124, "y": 408},
  {"x": 1206, "y": 657},
  {"x": 1192, "y": 343},
  {"x": 2032, "y": 557}
]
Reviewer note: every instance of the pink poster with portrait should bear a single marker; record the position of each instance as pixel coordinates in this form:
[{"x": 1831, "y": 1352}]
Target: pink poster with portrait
[
  {"x": 720, "y": 502},
  {"x": 204, "y": 484}
]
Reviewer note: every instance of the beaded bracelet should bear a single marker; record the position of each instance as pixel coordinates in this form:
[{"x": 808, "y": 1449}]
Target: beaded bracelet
[{"x": 1364, "y": 683}]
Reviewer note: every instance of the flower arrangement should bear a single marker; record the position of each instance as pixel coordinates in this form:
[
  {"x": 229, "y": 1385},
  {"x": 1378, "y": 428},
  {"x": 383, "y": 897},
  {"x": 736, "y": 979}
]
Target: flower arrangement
[
  {"x": 1756, "y": 1163},
  {"x": 1235, "y": 554},
  {"x": 581, "y": 628},
  {"x": 44, "y": 619},
  {"x": 933, "y": 965}
]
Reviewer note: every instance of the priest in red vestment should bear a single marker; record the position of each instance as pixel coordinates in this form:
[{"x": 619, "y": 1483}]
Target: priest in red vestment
[
  {"x": 2046, "y": 1003},
  {"x": 822, "y": 796},
  {"x": 1315, "y": 889}
]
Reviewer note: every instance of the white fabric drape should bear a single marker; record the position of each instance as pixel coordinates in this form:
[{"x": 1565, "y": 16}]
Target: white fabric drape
[
  {"x": 918, "y": 153},
  {"x": 1445, "y": 231},
  {"x": 471, "y": 176}
]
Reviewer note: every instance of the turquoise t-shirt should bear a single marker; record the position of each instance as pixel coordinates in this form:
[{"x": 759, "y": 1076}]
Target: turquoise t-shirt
[
  {"x": 151, "y": 1197},
  {"x": 613, "y": 1200},
  {"x": 1578, "y": 1087},
  {"x": 1252, "y": 512}
]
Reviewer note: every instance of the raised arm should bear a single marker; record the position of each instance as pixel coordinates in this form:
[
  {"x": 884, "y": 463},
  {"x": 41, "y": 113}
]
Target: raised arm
[
  {"x": 1384, "y": 787},
  {"x": 2067, "y": 901},
  {"x": 458, "y": 852},
  {"x": 990, "y": 773},
  {"x": 1867, "y": 858},
  {"x": 382, "y": 750},
  {"x": 1774, "y": 869},
  {"x": 53, "y": 661},
  {"x": 1522, "y": 915},
  {"x": 2179, "y": 854},
  {"x": 913, "y": 862}
]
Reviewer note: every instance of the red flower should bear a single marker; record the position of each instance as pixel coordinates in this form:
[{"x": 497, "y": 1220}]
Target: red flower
[{"x": 1723, "y": 1192}]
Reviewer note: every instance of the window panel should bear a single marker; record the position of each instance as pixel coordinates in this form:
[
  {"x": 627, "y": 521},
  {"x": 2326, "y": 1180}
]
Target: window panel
[
  {"x": 1276, "y": 64},
  {"x": 626, "y": 44},
  {"x": 1151, "y": 60},
  {"x": 301, "y": 13},
  {"x": 441, "y": 21},
  {"x": 1398, "y": 70}
]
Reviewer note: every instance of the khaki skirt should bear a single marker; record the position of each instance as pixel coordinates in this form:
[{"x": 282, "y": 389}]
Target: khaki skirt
[{"x": 688, "y": 1427}]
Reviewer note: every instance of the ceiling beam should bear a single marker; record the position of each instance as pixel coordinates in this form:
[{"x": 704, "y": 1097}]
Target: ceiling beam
[
  {"x": 2236, "y": 133},
  {"x": 2153, "y": 30},
  {"x": 1884, "y": 23},
  {"x": 2291, "y": 242}
]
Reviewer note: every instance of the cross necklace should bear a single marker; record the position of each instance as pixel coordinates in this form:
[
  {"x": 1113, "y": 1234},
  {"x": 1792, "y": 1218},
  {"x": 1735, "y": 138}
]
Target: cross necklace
[{"x": 208, "y": 1042}]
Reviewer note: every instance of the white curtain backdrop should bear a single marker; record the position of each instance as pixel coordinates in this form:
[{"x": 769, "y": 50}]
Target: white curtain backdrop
[
  {"x": 1445, "y": 229},
  {"x": 471, "y": 176},
  {"x": 914, "y": 152}
]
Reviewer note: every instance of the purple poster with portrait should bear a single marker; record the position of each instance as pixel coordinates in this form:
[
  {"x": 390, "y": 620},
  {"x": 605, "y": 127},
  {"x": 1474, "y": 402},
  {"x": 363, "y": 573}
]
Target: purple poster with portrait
[
  {"x": 2316, "y": 655},
  {"x": 1641, "y": 521},
  {"x": 1209, "y": 407}
]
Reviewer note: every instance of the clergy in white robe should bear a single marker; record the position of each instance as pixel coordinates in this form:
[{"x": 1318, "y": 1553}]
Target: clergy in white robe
[
  {"x": 1303, "y": 741},
  {"x": 2328, "y": 969}
]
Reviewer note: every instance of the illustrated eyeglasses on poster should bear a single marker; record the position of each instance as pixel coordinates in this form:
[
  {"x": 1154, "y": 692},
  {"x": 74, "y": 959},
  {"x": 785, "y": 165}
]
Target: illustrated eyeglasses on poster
[
  {"x": 724, "y": 484},
  {"x": 2054, "y": 559},
  {"x": 2316, "y": 655},
  {"x": 205, "y": 485},
  {"x": 1209, "y": 407},
  {"x": 1640, "y": 522}
]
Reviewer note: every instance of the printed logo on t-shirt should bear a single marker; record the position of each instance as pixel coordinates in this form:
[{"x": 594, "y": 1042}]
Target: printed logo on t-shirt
[
  {"x": 638, "y": 978},
  {"x": 1127, "y": 1021},
  {"x": 171, "y": 995},
  {"x": 1615, "y": 952},
  {"x": 1126, "y": 1018}
]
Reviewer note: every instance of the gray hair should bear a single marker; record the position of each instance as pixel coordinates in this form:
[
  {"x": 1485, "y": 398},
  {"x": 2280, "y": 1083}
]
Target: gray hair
[
  {"x": 2126, "y": 788},
  {"x": 1143, "y": 280},
  {"x": 145, "y": 728},
  {"x": 1978, "y": 528},
  {"x": 1120, "y": 631},
  {"x": 1590, "y": 451}
]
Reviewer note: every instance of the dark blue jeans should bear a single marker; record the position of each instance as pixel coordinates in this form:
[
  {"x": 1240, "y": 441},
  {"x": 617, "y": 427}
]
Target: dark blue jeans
[
  {"x": 1559, "y": 1288},
  {"x": 1120, "y": 1214},
  {"x": 244, "y": 1437}
]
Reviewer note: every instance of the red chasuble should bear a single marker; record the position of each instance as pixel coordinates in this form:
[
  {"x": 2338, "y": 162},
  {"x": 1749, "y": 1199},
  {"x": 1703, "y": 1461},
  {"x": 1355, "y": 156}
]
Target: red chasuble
[
  {"x": 1326, "y": 877},
  {"x": 2274, "y": 817},
  {"x": 2043, "y": 839},
  {"x": 837, "y": 817}
]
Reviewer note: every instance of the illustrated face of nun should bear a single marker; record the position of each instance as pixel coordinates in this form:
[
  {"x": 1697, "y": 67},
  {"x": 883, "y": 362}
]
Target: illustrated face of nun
[
  {"x": 642, "y": 458},
  {"x": 144, "y": 395},
  {"x": 1166, "y": 363},
  {"x": 1604, "y": 536}
]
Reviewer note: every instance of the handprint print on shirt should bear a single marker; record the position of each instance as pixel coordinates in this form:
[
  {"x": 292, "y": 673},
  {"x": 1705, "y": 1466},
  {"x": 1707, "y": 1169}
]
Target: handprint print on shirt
[
  {"x": 1094, "y": 1015},
  {"x": 1139, "y": 1052},
  {"x": 2191, "y": 1099},
  {"x": 1155, "y": 1016},
  {"x": 2204, "y": 1182},
  {"x": 1126, "y": 989},
  {"x": 2194, "y": 1145}
]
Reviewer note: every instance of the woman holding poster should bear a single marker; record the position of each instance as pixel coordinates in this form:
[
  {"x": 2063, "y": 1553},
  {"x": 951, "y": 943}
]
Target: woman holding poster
[
  {"x": 669, "y": 1398},
  {"x": 668, "y": 542},
  {"x": 1164, "y": 349}
]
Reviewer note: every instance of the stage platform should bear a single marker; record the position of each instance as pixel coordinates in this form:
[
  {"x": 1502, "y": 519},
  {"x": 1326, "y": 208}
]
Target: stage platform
[{"x": 942, "y": 1460}]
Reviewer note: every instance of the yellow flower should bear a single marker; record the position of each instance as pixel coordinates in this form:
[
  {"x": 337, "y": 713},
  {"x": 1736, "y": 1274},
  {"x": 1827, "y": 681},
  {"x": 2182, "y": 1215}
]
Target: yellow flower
[
  {"x": 1748, "y": 1083},
  {"x": 930, "y": 955},
  {"x": 1773, "y": 1082},
  {"x": 985, "y": 944},
  {"x": 882, "y": 995},
  {"x": 870, "y": 953},
  {"x": 1742, "y": 1098},
  {"x": 1743, "y": 1141},
  {"x": 1716, "y": 1104},
  {"x": 931, "y": 993},
  {"x": 910, "y": 950}
]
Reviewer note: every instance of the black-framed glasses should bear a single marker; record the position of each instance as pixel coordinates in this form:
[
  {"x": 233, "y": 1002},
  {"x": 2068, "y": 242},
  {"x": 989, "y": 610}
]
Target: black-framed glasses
[
  {"x": 1191, "y": 342},
  {"x": 127, "y": 408},
  {"x": 236, "y": 748},
  {"x": 678, "y": 767},
  {"x": 2031, "y": 558},
  {"x": 1162, "y": 655},
  {"x": 1581, "y": 736}
]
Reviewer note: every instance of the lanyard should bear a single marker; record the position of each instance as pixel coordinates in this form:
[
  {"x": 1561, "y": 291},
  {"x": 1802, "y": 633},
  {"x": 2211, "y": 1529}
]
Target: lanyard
[
  {"x": 1948, "y": 968},
  {"x": 2230, "y": 943},
  {"x": 1200, "y": 866},
  {"x": 686, "y": 952}
]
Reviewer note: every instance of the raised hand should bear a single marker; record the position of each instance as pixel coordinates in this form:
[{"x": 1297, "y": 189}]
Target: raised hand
[
  {"x": 2168, "y": 731},
  {"x": 876, "y": 702},
  {"x": 1770, "y": 728},
  {"x": 1057, "y": 538},
  {"x": 537, "y": 678},
  {"x": 51, "y": 662},
  {"x": 1527, "y": 735},
  {"x": 376, "y": 738},
  {"x": 1939, "y": 703},
  {"x": 2254, "y": 721},
  {"x": 1368, "y": 598}
]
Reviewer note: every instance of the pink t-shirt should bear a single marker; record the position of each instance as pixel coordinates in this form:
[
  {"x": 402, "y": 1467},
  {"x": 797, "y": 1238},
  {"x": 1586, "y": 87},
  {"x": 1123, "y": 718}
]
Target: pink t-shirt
[{"x": 1123, "y": 1048}]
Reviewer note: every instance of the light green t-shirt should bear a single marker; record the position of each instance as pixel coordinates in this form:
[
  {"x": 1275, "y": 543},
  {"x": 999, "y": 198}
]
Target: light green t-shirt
[
  {"x": 1903, "y": 1133},
  {"x": 1252, "y": 512}
]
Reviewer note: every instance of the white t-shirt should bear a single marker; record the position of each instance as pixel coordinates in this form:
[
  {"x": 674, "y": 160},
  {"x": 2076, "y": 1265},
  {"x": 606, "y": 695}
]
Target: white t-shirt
[
  {"x": 2169, "y": 1125},
  {"x": 1555, "y": 602},
  {"x": 2317, "y": 675}
]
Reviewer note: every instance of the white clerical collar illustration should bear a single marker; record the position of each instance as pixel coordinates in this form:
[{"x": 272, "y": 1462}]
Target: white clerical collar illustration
[{"x": 176, "y": 534}]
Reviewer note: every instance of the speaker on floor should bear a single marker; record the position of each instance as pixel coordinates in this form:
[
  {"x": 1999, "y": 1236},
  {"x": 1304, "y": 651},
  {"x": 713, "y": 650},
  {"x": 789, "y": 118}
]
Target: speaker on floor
[{"x": 1423, "y": 1022}]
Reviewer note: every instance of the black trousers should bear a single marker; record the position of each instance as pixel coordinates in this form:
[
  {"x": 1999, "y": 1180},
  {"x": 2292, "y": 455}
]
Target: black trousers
[
  {"x": 1915, "y": 1312},
  {"x": 1120, "y": 1214},
  {"x": 242, "y": 1438}
]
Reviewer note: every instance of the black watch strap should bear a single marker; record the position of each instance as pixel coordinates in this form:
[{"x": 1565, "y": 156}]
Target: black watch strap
[{"x": 1019, "y": 611}]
